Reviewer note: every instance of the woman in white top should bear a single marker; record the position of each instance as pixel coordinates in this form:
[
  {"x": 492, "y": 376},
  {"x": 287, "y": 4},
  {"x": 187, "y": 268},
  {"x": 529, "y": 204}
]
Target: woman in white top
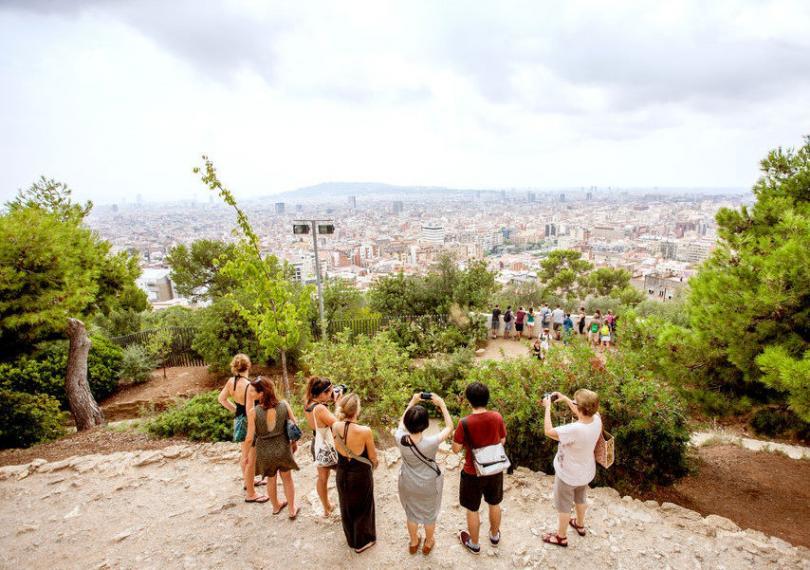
[
  {"x": 574, "y": 464},
  {"x": 320, "y": 393}
]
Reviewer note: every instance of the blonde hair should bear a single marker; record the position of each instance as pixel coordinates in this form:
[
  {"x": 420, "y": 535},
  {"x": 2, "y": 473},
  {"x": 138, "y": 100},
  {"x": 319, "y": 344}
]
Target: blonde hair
[
  {"x": 587, "y": 401},
  {"x": 348, "y": 406},
  {"x": 240, "y": 363}
]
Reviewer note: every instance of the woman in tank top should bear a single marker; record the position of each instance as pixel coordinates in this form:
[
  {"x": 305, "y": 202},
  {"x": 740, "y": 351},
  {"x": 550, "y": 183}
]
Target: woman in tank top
[
  {"x": 320, "y": 393},
  {"x": 238, "y": 397}
]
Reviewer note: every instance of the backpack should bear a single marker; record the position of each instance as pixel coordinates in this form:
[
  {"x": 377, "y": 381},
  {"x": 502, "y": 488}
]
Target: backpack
[
  {"x": 507, "y": 318},
  {"x": 605, "y": 330}
]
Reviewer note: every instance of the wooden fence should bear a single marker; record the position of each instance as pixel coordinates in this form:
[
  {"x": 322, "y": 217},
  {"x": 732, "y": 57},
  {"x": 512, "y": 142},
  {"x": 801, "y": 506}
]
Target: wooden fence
[{"x": 181, "y": 354}]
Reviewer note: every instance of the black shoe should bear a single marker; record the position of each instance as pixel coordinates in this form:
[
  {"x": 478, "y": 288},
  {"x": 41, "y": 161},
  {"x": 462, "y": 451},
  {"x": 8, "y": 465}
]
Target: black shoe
[
  {"x": 494, "y": 540},
  {"x": 464, "y": 537}
]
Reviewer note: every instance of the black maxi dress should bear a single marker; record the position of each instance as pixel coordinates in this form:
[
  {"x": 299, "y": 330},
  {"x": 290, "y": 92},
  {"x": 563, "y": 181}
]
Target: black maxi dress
[{"x": 355, "y": 487}]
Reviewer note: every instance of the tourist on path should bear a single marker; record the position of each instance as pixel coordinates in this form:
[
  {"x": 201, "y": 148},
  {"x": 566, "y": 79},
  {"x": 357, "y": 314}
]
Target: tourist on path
[
  {"x": 357, "y": 457},
  {"x": 238, "y": 397},
  {"x": 568, "y": 328},
  {"x": 545, "y": 316},
  {"x": 267, "y": 433},
  {"x": 420, "y": 478},
  {"x": 508, "y": 319},
  {"x": 574, "y": 463},
  {"x": 582, "y": 319},
  {"x": 481, "y": 428},
  {"x": 496, "y": 321},
  {"x": 520, "y": 318},
  {"x": 530, "y": 323},
  {"x": 320, "y": 393},
  {"x": 557, "y": 318}
]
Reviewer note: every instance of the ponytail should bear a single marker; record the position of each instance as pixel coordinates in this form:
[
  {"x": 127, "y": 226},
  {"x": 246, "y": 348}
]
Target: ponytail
[
  {"x": 348, "y": 406},
  {"x": 316, "y": 386}
]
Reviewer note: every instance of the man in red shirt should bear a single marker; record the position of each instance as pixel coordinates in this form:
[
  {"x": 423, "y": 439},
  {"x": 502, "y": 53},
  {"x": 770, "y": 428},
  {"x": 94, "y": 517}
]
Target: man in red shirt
[{"x": 485, "y": 428}]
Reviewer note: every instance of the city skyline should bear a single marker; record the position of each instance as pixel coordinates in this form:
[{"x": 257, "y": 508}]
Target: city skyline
[{"x": 120, "y": 99}]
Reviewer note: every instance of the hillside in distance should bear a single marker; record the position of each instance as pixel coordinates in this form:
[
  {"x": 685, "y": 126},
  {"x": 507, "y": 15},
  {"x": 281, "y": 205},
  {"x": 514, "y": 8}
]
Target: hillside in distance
[{"x": 368, "y": 190}]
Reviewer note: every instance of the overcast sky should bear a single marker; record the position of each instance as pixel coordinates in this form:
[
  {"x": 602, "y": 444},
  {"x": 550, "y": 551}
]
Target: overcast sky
[{"x": 119, "y": 97}]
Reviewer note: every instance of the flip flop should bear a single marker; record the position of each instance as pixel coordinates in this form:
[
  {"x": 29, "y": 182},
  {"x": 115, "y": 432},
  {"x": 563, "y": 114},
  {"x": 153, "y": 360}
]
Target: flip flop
[
  {"x": 258, "y": 499},
  {"x": 260, "y": 482},
  {"x": 280, "y": 508},
  {"x": 295, "y": 514}
]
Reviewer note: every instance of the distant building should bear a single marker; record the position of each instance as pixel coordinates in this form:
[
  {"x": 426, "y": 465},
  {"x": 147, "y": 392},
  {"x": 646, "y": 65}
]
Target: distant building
[
  {"x": 156, "y": 284},
  {"x": 433, "y": 233},
  {"x": 352, "y": 202},
  {"x": 279, "y": 208},
  {"x": 589, "y": 196},
  {"x": 551, "y": 230},
  {"x": 531, "y": 197},
  {"x": 562, "y": 197},
  {"x": 397, "y": 207},
  {"x": 663, "y": 286},
  {"x": 669, "y": 249}
]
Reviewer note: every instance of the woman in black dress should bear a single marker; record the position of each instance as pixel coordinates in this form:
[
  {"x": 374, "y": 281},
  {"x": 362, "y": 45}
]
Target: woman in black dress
[{"x": 357, "y": 457}]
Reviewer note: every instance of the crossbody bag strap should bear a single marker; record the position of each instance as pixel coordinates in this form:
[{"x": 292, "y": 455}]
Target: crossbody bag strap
[
  {"x": 349, "y": 452},
  {"x": 426, "y": 460}
]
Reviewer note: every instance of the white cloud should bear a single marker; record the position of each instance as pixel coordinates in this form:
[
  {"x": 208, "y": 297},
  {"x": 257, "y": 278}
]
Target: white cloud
[{"x": 120, "y": 97}]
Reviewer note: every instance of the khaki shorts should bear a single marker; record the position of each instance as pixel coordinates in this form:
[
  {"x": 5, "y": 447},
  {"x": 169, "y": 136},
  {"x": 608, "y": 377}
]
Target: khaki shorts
[{"x": 565, "y": 495}]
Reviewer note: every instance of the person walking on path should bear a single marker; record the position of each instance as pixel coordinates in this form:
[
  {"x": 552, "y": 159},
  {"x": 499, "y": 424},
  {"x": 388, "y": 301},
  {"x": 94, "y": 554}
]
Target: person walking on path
[
  {"x": 557, "y": 318},
  {"x": 267, "y": 433},
  {"x": 582, "y": 319},
  {"x": 495, "y": 324},
  {"x": 420, "y": 479},
  {"x": 479, "y": 429},
  {"x": 574, "y": 463},
  {"x": 568, "y": 328},
  {"x": 357, "y": 458}
]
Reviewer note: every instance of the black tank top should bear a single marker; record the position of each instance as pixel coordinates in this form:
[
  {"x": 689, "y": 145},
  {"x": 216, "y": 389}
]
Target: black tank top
[{"x": 240, "y": 408}]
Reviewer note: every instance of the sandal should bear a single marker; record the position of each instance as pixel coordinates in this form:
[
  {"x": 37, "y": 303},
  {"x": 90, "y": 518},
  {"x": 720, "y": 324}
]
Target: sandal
[
  {"x": 426, "y": 549},
  {"x": 259, "y": 482},
  {"x": 414, "y": 548},
  {"x": 580, "y": 529},
  {"x": 258, "y": 499},
  {"x": 293, "y": 516},
  {"x": 280, "y": 508},
  {"x": 555, "y": 539},
  {"x": 364, "y": 548}
]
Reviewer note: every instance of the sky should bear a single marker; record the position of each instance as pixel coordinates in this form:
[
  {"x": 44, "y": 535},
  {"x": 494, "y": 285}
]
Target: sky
[{"x": 119, "y": 98}]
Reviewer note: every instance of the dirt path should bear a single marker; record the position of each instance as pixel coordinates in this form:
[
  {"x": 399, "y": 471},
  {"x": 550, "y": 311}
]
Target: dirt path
[
  {"x": 181, "y": 381},
  {"x": 755, "y": 489},
  {"x": 498, "y": 349},
  {"x": 182, "y": 507}
]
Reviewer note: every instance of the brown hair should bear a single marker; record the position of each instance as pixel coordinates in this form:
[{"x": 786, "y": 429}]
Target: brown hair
[
  {"x": 267, "y": 393},
  {"x": 587, "y": 401},
  {"x": 348, "y": 406},
  {"x": 240, "y": 363},
  {"x": 316, "y": 386}
]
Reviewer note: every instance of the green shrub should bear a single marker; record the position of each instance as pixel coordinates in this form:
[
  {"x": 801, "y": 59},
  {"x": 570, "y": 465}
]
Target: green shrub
[
  {"x": 26, "y": 419},
  {"x": 775, "y": 422},
  {"x": 202, "y": 418},
  {"x": 221, "y": 333},
  {"x": 137, "y": 364},
  {"x": 645, "y": 416},
  {"x": 443, "y": 374},
  {"x": 43, "y": 371},
  {"x": 375, "y": 368}
]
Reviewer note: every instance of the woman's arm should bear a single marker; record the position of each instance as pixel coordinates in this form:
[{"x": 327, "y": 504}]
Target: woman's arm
[
  {"x": 371, "y": 448},
  {"x": 448, "y": 420},
  {"x": 548, "y": 429},
  {"x": 411, "y": 404},
  {"x": 324, "y": 417},
  {"x": 223, "y": 399},
  {"x": 250, "y": 397},
  {"x": 251, "y": 427},
  {"x": 290, "y": 412}
]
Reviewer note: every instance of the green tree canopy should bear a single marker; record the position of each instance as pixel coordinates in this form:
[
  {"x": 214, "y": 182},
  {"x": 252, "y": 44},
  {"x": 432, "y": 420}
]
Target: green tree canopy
[
  {"x": 197, "y": 270},
  {"x": 52, "y": 267},
  {"x": 750, "y": 301},
  {"x": 564, "y": 272}
]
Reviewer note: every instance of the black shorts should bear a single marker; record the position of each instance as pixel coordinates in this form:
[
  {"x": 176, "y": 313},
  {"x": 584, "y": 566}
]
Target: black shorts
[
  {"x": 519, "y": 327},
  {"x": 472, "y": 488}
]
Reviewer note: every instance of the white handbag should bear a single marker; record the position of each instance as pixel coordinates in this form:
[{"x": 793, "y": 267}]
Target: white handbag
[
  {"x": 325, "y": 452},
  {"x": 488, "y": 460}
]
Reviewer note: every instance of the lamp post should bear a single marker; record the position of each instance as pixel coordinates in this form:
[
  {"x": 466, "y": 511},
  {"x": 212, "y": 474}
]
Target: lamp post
[{"x": 316, "y": 227}]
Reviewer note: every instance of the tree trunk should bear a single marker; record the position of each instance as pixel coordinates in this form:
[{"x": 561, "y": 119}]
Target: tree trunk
[
  {"x": 83, "y": 406},
  {"x": 284, "y": 373}
]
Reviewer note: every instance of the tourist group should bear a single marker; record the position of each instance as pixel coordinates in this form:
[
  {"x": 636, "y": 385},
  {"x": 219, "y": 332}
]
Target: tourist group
[{"x": 269, "y": 432}]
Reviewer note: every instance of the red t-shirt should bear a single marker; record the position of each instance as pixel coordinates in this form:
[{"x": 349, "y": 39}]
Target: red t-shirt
[{"x": 485, "y": 429}]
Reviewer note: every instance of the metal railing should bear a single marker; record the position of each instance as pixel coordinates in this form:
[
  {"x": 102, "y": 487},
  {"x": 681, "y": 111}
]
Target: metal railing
[
  {"x": 370, "y": 326},
  {"x": 181, "y": 353}
]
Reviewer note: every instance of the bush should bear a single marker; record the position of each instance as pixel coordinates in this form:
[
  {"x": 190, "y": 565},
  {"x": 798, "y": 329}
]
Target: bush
[
  {"x": 374, "y": 368},
  {"x": 645, "y": 416},
  {"x": 202, "y": 418},
  {"x": 26, "y": 419},
  {"x": 43, "y": 371},
  {"x": 137, "y": 364},
  {"x": 223, "y": 332},
  {"x": 443, "y": 374},
  {"x": 775, "y": 422}
]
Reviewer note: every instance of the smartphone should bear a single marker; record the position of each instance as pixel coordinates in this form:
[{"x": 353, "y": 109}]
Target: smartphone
[
  {"x": 426, "y": 396},
  {"x": 553, "y": 397}
]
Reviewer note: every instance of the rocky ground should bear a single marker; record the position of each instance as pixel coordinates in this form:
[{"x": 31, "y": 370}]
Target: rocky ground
[{"x": 182, "y": 506}]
